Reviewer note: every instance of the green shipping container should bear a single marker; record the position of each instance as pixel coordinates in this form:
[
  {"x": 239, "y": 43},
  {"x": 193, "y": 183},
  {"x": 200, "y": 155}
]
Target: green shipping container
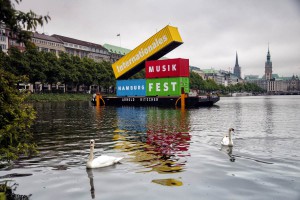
[{"x": 167, "y": 86}]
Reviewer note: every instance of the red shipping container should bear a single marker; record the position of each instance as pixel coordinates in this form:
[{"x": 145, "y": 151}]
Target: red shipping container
[{"x": 178, "y": 67}]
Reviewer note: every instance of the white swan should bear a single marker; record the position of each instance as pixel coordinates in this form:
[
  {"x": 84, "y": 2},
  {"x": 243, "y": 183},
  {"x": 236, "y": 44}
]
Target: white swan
[
  {"x": 227, "y": 139},
  {"x": 102, "y": 161}
]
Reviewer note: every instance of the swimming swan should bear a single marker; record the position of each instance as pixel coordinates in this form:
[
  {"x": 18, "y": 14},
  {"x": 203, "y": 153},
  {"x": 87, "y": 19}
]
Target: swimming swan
[
  {"x": 227, "y": 139},
  {"x": 102, "y": 161}
]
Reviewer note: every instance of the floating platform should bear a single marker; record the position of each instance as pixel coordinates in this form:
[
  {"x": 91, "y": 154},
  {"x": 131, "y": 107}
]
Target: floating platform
[{"x": 190, "y": 102}]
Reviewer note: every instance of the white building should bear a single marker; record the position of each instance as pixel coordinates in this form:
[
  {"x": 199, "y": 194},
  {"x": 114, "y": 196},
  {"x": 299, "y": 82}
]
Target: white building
[{"x": 3, "y": 39}]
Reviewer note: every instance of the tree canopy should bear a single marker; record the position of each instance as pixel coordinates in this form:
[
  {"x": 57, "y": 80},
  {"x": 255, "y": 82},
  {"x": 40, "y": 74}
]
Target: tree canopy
[
  {"x": 197, "y": 83},
  {"x": 47, "y": 68},
  {"x": 20, "y": 23},
  {"x": 16, "y": 117}
]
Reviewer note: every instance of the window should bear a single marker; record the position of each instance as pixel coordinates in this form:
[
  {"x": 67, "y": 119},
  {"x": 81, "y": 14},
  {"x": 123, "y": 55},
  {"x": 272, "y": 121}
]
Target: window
[{"x": 3, "y": 46}]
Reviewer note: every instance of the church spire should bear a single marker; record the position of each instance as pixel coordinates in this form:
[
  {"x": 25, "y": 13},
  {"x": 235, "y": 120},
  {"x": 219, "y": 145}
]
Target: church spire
[
  {"x": 237, "y": 68},
  {"x": 268, "y": 55},
  {"x": 236, "y": 59}
]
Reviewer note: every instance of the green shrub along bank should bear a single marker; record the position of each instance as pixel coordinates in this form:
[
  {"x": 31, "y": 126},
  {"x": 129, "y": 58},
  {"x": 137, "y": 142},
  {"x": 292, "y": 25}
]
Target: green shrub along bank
[{"x": 58, "y": 97}]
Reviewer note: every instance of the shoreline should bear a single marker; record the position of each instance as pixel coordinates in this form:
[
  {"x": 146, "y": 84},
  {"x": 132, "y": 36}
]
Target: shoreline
[{"x": 58, "y": 97}]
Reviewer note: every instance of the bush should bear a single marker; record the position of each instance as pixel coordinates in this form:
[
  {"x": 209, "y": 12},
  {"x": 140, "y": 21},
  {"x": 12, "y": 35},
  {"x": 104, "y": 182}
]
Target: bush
[{"x": 16, "y": 118}]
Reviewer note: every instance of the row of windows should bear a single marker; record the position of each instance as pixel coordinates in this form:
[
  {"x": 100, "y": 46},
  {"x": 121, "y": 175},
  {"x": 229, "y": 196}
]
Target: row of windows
[
  {"x": 76, "y": 46},
  {"x": 49, "y": 50},
  {"x": 46, "y": 42},
  {"x": 15, "y": 43},
  {"x": 2, "y": 32},
  {"x": 2, "y": 38},
  {"x": 76, "y": 53},
  {"x": 86, "y": 48},
  {"x": 3, "y": 46}
]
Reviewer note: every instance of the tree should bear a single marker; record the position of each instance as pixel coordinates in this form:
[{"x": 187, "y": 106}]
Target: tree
[
  {"x": 37, "y": 65},
  {"x": 196, "y": 81},
  {"x": 105, "y": 75},
  {"x": 20, "y": 23},
  {"x": 54, "y": 72},
  {"x": 88, "y": 71},
  {"x": 17, "y": 63},
  {"x": 16, "y": 118},
  {"x": 211, "y": 85}
]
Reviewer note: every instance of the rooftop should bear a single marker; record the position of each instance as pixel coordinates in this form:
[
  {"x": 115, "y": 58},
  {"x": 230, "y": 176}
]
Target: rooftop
[
  {"x": 43, "y": 36},
  {"x": 79, "y": 42},
  {"x": 116, "y": 49},
  {"x": 210, "y": 71}
]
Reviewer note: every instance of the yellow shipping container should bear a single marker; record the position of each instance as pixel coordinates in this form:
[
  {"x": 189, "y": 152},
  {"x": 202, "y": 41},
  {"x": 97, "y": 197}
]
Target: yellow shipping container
[{"x": 153, "y": 48}]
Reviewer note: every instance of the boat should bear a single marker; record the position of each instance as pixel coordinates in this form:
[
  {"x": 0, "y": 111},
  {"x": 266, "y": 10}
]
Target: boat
[
  {"x": 190, "y": 102},
  {"x": 166, "y": 81}
]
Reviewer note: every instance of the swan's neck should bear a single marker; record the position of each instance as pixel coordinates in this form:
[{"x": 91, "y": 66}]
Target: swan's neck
[
  {"x": 91, "y": 156},
  {"x": 230, "y": 140}
]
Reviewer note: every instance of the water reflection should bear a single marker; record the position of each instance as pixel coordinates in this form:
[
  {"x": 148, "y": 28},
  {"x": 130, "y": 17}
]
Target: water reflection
[
  {"x": 157, "y": 139},
  {"x": 267, "y": 164},
  {"x": 91, "y": 177},
  {"x": 8, "y": 189},
  {"x": 228, "y": 151},
  {"x": 168, "y": 182}
]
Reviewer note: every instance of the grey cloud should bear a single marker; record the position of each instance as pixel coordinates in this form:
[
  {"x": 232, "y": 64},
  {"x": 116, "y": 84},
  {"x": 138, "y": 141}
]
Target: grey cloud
[{"x": 212, "y": 30}]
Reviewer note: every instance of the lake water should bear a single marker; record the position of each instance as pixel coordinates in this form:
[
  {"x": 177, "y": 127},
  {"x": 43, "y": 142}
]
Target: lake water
[{"x": 168, "y": 153}]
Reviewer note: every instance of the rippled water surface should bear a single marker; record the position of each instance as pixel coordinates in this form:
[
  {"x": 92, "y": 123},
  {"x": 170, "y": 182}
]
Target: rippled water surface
[{"x": 168, "y": 153}]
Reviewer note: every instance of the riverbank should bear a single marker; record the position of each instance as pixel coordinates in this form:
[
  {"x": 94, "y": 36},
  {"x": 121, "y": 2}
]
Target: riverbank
[{"x": 58, "y": 97}]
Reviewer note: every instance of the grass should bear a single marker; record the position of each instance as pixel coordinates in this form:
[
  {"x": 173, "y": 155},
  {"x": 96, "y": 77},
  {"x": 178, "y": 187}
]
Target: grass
[{"x": 58, "y": 97}]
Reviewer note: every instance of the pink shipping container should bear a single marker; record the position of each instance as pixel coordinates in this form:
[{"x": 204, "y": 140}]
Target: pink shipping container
[{"x": 178, "y": 67}]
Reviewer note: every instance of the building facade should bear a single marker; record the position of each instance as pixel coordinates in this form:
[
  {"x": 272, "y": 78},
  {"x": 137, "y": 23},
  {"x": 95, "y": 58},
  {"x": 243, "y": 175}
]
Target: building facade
[
  {"x": 115, "y": 52},
  {"x": 48, "y": 43},
  {"x": 3, "y": 39},
  {"x": 84, "y": 49},
  {"x": 13, "y": 42},
  {"x": 273, "y": 83}
]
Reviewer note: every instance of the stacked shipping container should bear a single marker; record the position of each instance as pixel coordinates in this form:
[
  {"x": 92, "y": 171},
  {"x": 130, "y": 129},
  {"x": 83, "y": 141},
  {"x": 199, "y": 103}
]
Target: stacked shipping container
[
  {"x": 178, "y": 67},
  {"x": 164, "y": 78},
  {"x": 134, "y": 87}
]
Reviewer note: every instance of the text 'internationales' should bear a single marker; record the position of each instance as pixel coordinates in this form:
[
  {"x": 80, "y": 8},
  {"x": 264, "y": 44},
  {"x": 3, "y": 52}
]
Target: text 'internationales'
[{"x": 143, "y": 51}]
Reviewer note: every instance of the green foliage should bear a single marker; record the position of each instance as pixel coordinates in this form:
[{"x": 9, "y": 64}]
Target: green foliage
[
  {"x": 16, "y": 119},
  {"x": 244, "y": 87},
  {"x": 18, "y": 22},
  {"x": 106, "y": 76},
  {"x": 54, "y": 97},
  {"x": 197, "y": 83},
  {"x": 46, "y": 67},
  {"x": 140, "y": 75}
]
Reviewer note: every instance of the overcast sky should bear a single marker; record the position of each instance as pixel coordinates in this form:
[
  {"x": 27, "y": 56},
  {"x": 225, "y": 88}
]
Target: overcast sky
[{"x": 212, "y": 30}]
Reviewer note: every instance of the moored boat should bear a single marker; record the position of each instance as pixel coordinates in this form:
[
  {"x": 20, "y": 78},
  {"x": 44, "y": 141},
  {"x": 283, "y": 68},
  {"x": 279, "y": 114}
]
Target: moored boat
[{"x": 190, "y": 102}]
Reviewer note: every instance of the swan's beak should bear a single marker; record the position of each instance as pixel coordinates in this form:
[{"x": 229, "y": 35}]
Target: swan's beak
[{"x": 92, "y": 143}]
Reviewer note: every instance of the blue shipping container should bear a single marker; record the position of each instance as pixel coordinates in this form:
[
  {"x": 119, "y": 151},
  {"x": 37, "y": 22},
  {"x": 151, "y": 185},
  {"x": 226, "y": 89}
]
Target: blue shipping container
[{"x": 130, "y": 88}]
